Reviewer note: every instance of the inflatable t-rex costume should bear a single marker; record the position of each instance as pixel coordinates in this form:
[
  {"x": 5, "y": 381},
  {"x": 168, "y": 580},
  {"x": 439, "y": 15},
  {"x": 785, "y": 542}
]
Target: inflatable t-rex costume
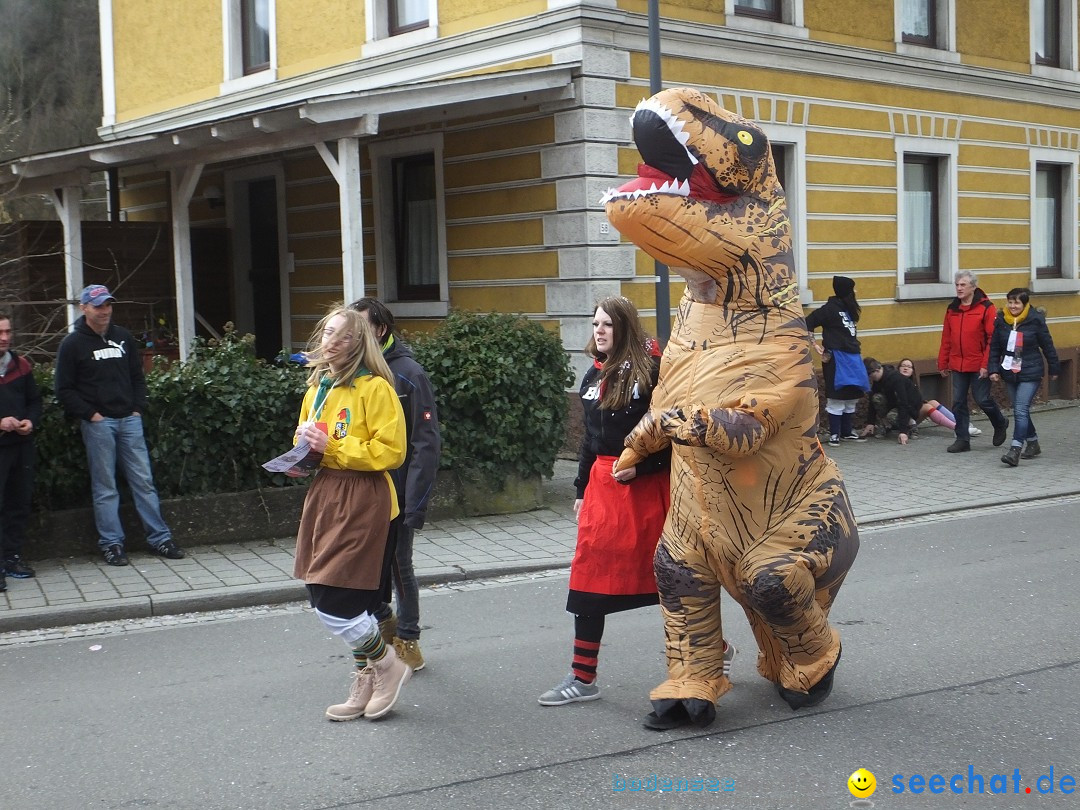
[{"x": 756, "y": 506}]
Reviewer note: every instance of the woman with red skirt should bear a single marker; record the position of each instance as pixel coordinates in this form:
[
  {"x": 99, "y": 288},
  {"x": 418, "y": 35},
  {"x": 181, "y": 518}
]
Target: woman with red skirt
[{"x": 620, "y": 516}]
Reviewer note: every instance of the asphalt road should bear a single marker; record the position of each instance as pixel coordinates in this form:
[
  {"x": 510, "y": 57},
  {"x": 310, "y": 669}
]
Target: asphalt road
[{"x": 961, "y": 650}]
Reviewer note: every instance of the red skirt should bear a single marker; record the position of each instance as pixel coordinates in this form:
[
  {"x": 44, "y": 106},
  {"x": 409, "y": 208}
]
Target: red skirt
[{"x": 619, "y": 526}]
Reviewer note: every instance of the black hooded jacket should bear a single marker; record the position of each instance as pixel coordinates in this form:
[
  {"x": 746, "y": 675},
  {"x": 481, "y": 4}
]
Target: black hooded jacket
[
  {"x": 96, "y": 374},
  {"x": 415, "y": 479}
]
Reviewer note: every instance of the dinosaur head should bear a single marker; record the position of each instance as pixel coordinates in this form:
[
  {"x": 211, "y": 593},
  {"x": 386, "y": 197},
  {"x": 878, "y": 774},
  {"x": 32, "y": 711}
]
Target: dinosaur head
[{"x": 706, "y": 197}]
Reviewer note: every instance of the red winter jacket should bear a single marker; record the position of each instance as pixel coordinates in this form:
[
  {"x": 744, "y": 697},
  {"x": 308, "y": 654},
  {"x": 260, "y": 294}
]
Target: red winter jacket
[{"x": 965, "y": 336}]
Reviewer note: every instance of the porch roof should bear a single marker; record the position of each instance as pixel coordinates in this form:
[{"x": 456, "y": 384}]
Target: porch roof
[{"x": 302, "y": 123}]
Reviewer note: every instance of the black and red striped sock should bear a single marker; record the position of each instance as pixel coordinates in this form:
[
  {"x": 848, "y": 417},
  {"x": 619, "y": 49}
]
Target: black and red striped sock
[{"x": 588, "y": 630}]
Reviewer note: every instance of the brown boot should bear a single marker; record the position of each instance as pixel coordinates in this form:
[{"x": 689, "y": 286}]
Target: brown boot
[
  {"x": 359, "y": 696},
  {"x": 408, "y": 650},
  {"x": 388, "y": 629},
  {"x": 391, "y": 673}
]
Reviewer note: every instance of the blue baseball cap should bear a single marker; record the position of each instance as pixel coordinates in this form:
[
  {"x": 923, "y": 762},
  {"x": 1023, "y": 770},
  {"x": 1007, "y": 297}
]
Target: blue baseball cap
[{"x": 96, "y": 295}]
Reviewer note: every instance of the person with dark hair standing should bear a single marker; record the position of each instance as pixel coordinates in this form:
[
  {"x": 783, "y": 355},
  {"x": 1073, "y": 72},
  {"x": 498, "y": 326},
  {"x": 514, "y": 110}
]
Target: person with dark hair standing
[
  {"x": 352, "y": 421},
  {"x": 620, "y": 515},
  {"x": 841, "y": 363},
  {"x": 965, "y": 354},
  {"x": 20, "y": 411},
  {"x": 99, "y": 381},
  {"x": 1021, "y": 339},
  {"x": 414, "y": 481}
]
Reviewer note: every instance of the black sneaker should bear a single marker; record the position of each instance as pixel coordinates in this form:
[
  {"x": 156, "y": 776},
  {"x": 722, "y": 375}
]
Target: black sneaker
[
  {"x": 169, "y": 551},
  {"x": 114, "y": 555},
  {"x": 14, "y": 567},
  {"x": 958, "y": 446}
]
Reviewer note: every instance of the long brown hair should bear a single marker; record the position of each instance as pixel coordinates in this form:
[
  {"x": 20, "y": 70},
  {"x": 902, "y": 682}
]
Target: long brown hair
[
  {"x": 629, "y": 364},
  {"x": 364, "y": 350}
]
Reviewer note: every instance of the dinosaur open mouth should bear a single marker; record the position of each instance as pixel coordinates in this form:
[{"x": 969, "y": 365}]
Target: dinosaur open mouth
[{"x": 669, "y": 167}]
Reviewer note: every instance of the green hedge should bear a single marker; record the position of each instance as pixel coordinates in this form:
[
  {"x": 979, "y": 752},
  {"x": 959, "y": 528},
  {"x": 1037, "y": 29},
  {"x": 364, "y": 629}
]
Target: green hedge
[
  {"x": 499, "y": 380},
  {"x": 213, "y": 420},
  {"x": 500, "y": 385}
]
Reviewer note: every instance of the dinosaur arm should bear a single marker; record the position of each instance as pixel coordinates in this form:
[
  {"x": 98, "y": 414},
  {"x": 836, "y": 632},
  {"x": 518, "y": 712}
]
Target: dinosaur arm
[
  {"x": 730, "y": 431},
  {"x": 646, "y": 438}
]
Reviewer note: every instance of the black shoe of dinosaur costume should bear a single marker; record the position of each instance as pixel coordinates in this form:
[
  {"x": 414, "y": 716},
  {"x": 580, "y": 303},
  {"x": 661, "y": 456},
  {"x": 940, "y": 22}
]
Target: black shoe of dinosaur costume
[
  {"x": 818, "y": 692},
  {"x": 668, "y": 714}
]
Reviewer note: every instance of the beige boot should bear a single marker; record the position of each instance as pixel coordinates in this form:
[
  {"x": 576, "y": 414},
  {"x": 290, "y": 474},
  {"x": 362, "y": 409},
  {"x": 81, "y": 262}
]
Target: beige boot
[
  {"x": 391, "y": 673},
  {"x": 359, "y": 696},
  {"x": 388, "y": 629},
  {"x": 408, "y": 650}
]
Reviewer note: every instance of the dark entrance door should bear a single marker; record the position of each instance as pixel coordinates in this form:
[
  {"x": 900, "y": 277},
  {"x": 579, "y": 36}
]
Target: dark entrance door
[{"x": 265, "y": 268}]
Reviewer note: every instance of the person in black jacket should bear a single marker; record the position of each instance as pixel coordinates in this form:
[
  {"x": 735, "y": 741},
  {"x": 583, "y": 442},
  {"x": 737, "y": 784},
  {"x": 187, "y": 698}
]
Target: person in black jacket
[
  {"x": 840, "y": 355},
  {"x": 99, "y": 381},
  {"x": 414, "y": 481},
  {"x": 1020, "y": 341},
  {"x": 20, "y": 411},
  {"x": 889, "y": 390},
  {"x": 620, "y": 515}
]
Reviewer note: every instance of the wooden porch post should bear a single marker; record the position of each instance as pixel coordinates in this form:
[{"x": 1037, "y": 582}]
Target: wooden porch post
[
  {"x": 182, "y": 184},
  {"x": 67, "y": 203},
  {"x": 346, "y": 170}
]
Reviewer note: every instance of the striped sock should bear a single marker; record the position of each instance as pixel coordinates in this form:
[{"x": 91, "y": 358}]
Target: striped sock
[
  {"x": 371, "y": 648},
  {"x": 586, "y": 654}
]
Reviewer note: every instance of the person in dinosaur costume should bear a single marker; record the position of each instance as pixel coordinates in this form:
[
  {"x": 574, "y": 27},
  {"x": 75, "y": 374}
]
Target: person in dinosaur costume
[{"x": 757, "y": 508}]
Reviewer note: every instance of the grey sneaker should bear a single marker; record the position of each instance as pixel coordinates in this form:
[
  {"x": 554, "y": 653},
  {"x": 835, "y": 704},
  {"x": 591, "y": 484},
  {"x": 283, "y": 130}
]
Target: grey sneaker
[
  {"x": 729, "y": 656},
  {"x": 571, "y": 690}
]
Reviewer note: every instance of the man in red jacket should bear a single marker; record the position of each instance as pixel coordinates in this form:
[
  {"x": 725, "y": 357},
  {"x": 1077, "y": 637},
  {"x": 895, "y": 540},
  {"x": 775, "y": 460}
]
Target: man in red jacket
[{"x": 965, "y": 353}]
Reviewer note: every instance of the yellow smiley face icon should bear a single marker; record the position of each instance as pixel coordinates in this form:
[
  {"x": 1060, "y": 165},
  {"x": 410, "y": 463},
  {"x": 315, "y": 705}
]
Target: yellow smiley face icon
[{"x": 862, "y": 784}]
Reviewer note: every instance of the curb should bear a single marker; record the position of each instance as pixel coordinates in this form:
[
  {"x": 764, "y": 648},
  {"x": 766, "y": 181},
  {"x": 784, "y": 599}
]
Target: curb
[{"x": 225, "y": 598}]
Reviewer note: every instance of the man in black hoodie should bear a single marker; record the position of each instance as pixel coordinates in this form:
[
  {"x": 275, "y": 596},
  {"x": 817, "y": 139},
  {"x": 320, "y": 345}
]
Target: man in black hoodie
[
  {"x": 20, "y": 411},
  {"x": 414, "y": 481},
  {"x": 99, "y": 381}
]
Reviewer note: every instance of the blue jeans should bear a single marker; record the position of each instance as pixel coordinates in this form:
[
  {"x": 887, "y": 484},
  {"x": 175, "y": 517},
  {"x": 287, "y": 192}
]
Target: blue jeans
[
  {"x": 119, "y": 442},
  {"x": 406, "y": 588},
  {"x": 962, "y": 382},
  {"x": 1021, "y": 394}
]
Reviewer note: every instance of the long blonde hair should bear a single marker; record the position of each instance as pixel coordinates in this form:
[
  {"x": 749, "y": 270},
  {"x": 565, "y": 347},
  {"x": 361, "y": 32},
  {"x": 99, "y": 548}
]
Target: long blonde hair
[
  {"x": 364, "y": 350},
  {"x": 629, "y": 364}
]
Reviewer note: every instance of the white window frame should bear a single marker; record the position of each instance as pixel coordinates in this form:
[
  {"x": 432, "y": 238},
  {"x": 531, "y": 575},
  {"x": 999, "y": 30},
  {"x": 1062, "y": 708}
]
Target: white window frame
[
  {"x": 1068, "y": 44},
  {"x": 234, "y": 79},
  {"x": 791, "y": 12},
  {"x": 1070, "y": 278},
  {"x": 381, "y": 156},
  {"x": 944, "y": 24},
  {"x": 947, "y": 153},
  {"x": 794, "y": 137},
  {"x": 377, "y": 39}
]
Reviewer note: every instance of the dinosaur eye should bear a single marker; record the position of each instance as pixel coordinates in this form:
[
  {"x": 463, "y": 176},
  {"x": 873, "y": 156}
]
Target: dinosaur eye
[{"x": 745, "y": 137}]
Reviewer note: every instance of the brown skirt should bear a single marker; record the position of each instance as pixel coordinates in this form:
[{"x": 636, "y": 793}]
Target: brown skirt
[{"x": 342, "y": 536}]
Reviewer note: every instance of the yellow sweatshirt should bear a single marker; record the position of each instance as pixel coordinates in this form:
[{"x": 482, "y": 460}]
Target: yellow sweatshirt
[{"x": 366, "y": 428}]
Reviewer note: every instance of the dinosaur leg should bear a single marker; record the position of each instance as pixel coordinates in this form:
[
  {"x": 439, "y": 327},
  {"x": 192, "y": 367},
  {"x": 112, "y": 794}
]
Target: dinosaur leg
[
  {"x": 690, "y": 603},
  {"x": 787, "y": 593}
]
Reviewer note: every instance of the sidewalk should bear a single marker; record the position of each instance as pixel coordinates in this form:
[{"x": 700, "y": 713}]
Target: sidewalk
[{"x": 884, "y": 480}]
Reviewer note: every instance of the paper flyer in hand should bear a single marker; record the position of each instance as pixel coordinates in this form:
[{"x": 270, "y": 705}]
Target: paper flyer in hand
[{"x": 301, "y": 457}]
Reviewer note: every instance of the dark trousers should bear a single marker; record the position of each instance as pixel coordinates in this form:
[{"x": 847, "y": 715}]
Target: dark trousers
[
  {"x": 399, "y": 581},
  {"x": 16, "y": 491},
  {"x": 962, "y": 382}
]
